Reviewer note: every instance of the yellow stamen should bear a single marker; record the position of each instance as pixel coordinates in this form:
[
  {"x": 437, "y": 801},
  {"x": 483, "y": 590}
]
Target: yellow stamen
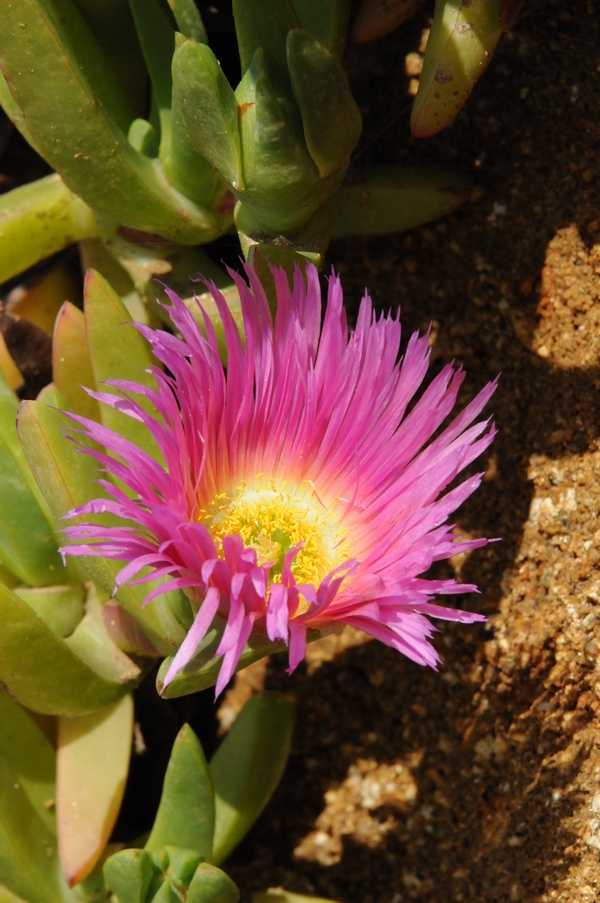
[{"x": 272, "y": 519}]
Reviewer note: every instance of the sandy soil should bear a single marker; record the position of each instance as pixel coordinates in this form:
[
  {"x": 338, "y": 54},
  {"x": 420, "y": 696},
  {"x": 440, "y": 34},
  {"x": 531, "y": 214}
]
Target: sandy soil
[{"x": 482, "y": 782}]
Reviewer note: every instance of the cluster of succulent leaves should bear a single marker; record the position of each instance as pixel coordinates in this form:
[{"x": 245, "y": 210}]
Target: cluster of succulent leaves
[
  {"x": 156, "y": 154},
  {"x": 61, "y": 786}
]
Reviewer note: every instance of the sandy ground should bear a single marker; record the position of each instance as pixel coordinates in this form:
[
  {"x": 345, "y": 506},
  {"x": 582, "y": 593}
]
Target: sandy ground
[{"x": 482, "y": 782}]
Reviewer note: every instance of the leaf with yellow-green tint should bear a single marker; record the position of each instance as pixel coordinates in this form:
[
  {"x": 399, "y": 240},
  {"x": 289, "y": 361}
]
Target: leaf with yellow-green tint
[
  {"x": 30, "y": 754},
  {"x": 71, "y": 364},
  {"x": 461, "y": 43},
  {"x": 92, "y": 753},
  {"x": 117, "y": 350}
]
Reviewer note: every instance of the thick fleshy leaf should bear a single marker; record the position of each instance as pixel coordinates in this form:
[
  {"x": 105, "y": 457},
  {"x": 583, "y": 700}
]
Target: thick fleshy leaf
[
  {"x": 68, "y": 480},
  {"x": 9, "y": 406},
  {"x": 92, "y": 643},
  {"x": 41, "y": 671},
  {"x": 211, "y": 885},
  {"x": 327, "y": 20},
  {"x": 60, "y": 607},
  {"x": 85, "y": 144},
  {"x": 27, "y": 544},
  {"x": 112, "y": 25},
  {"x": 461, "y": 43},
  {"x": 188, "y": 170},
  {"x": 376, "y": 18},
  {"x": 209, "y": 109},
  {"x": 247, "y": 767},
  {"x": 71, "y": 363},
  {"x": 391, "y": 200},
  {"x": 186, "y": 814},
  {"x": 277, "y": 165},
  {"x": 128, "y": 875},
  {"x": 117, "y": 350},
  {"x": 308, "y": 245},
  {"x": 39, "y": 219},
  {"x": 41, "y": 302},
  {"x": 14, "y": 111},
  {"x": 263, "y": 25},
  {"x": 189, "y": 20},
  {"x": 28, "y": 751},
  {"x": 8, "y": 369},
  {"x": 7, "y": 896},
  {"x": 283, "y": 188},
  {"x": 29, "y": 863},
  {"x": 166, "y": 893},
  {"x": 92, "y": 755},
  {"x": 128, "y": 268},
  {"x": 156, "y": 33},
  {"x": 77, "y": 36},
  {"x": 331, "y": 119}
]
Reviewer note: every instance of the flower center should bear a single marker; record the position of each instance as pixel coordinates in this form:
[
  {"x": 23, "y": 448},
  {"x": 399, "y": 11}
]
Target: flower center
[{"x": 272, "y": 520}]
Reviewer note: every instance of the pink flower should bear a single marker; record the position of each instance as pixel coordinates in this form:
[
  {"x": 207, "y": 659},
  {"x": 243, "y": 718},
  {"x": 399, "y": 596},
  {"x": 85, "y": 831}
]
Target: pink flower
[{"x": 298, "y": 491}]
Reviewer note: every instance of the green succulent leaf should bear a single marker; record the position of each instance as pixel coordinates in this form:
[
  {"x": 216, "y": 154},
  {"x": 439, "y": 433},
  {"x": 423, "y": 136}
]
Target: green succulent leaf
[
  {"x": 263, "y": 25},
  {"x": 71, "y": 363},
  {"x": 128, "y": 875},
  {"x": 326, "y": 20},
  {"x": 211, "y": 885},
  {"x": 209, "y": 109},
  {"x": 41, "y": 671},
  {"x": 186, "y": 813},
  {"x": 68, "y": 479},
  {"x": 112, "y": 25},
  {"x": 143, "y": 138},
  {"x": 166, "y": 893},
  {"x": 79, "y": 41},
  {"x": 179, "y": 864},
  {"x": 393, "y": 199},
  {"x": 91, "y": 642},
  {"x": 272, "y": 139},
  {"x": 332, "y": 122},
  {"x": 9, "y": 406},
  {"x": 461, "y": 43},
  {"x": 87, "y": 144},
  {"x": 156, "y": 32},
  {"x": 188, "y": 170},
  {"x": 283, "y": 189},
  {"x": 40, "y": 219},
  {"x": 60, "y": 607},
  {"x": 308, "y": 245},
  {"x": 7, "y": 896},
  {"x": 117, "y": 349},
  {"x": 27, "y": 545},
  {"x": 29, "y": 865},
  {"x": 189, "y": 20},
  {"x": 14, "y": 111},
  {"x": 26, "y": 748},
  {"x": 248, "y": 766}
]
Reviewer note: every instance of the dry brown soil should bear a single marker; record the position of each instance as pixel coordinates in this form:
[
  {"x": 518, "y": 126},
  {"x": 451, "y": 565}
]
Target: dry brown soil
[{"x": 481, "y": 782}]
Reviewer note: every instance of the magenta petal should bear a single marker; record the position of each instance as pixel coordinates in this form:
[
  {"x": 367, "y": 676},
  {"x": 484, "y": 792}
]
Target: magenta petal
[
  {"x": 195, "y": 635},
  {"x": 331, "y": 415}
]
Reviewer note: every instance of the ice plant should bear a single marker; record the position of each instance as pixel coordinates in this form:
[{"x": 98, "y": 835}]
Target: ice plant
[{"x": 297, "y": 492}]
